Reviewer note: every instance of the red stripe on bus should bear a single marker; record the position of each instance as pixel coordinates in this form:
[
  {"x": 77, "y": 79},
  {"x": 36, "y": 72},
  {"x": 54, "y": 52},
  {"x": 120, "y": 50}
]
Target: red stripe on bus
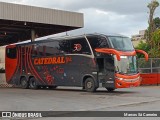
[
  {"x": 30, "y": 61},
  {"x": 21, "y": 60},
  {"x": 17, "y": 60},
  {"x": 27, "y": 61}
]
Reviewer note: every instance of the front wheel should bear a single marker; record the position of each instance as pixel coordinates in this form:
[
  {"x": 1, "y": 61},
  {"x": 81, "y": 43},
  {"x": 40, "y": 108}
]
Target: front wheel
[
  {"x": 32, "y": 83},
  {"x": 90, "y": 85}
]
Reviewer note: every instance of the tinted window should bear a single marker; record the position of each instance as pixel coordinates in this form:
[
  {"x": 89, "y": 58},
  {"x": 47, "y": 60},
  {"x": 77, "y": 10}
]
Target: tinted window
[
  {"x": 35, "y": 50},
  {"x": 79, "y": 46},
  {"x": 98, "y": 42},
  {"x": 41, "y": 50},
  {"x": 11, "y": 53},
  {"x": 51, "y": 48},
  {"x": 64, "y": 46}
]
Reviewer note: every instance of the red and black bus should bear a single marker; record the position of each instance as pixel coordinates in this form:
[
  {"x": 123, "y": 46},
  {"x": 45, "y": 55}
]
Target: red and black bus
[{"x": 88, "y": 61}]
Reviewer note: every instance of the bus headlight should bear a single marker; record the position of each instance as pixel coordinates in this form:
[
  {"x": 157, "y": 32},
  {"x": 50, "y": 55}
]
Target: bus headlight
[
  {"x": 120, "y": 78},
  {"x": 129, "y": 80}
]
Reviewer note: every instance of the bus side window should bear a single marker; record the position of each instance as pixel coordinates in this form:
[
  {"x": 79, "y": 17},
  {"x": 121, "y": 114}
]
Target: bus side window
[
  {"x": 64, "y": 46},
  {"x": 11, "y": 53},
  {"x": 80, "y": 46},
  {"x": 35, "y": 51},
  {"x": 42, "y": 50},
  {"x": 52, "y": 48},
  {"x": 98, "y": 42},
  {"x": 56, "y": 47}
]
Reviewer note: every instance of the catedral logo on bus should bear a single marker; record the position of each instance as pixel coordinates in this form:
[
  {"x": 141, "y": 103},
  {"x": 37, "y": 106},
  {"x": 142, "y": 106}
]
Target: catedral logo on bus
[{"x": 52, "y": 60}]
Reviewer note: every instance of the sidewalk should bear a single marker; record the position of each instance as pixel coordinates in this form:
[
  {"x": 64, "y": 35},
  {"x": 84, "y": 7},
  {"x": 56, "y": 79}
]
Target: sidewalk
[{"x": 3, "y": 81}]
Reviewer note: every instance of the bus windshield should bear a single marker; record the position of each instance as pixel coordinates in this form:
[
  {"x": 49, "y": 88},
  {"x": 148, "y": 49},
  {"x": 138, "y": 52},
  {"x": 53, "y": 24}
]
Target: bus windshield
[
  {"x": 127, "y": 65},
  {"x": 121, "y": 43}
]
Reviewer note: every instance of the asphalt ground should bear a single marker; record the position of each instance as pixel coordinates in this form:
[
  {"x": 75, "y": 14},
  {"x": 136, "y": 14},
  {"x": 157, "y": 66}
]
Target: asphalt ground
[{"x": 146, "y": 98}]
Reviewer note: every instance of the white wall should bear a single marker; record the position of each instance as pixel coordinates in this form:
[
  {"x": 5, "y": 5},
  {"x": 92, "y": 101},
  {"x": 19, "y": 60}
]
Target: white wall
[{"x": 2, "y": 57}]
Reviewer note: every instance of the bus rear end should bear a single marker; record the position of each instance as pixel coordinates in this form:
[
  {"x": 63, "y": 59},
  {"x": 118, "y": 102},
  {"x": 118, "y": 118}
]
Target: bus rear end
[{"x": 11, "y": 63}]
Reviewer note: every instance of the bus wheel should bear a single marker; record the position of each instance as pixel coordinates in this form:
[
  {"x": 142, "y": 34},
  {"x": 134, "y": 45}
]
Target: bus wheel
[
  {"x": 90, "y": 85},
  {"x": 32, "y": 83},
  {"x": 24, "y": 83},
  {"x": 110, "y": 89}
]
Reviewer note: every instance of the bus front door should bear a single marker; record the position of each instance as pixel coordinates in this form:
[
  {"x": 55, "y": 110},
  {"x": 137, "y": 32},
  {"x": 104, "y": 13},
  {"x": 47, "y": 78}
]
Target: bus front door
[{"x": 106, "y": 72}]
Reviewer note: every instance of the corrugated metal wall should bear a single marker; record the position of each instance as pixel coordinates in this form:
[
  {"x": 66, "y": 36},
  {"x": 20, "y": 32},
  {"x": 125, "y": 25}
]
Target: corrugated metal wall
[{"x": 40, "y": 15}]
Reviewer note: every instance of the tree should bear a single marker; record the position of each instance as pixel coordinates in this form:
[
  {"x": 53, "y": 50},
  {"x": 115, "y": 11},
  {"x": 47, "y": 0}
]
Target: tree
[
  {"x": 156, "y": 39},
  {"x": 155, "y": 51},
  {"x": 152, "y": 7},
  {"x": 143, "y": 46},
  {"x": 152, "y": 34},
  {"x": 157, "y": 22}
]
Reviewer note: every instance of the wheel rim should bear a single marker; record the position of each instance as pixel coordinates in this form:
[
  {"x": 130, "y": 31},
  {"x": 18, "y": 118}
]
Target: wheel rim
[
  {"x": 33, "y": 83},
  {"x": 89, "y": 85},
  {"x": 23, "y": 82}
]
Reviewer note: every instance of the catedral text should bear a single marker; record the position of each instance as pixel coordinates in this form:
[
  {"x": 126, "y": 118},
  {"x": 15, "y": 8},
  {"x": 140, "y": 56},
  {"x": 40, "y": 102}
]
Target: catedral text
[{"x": 52, "y": 60}]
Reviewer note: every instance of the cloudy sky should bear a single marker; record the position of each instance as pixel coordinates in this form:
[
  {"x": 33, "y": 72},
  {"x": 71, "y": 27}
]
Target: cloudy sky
[{"x": 125, "y": 17}]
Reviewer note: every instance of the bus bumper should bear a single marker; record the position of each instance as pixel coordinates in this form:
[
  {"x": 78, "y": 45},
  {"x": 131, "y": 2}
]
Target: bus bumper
[{"x": 124, "y": 81}]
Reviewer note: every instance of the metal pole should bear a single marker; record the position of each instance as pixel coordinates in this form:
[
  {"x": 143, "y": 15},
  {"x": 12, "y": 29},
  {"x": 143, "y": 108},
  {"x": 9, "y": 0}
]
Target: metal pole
[{"x": 33, "y": 35}]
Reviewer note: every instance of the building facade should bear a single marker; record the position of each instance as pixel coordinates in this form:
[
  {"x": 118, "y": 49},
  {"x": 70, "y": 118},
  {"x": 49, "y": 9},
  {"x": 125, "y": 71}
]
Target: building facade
[{"x": 139, "y": 36}]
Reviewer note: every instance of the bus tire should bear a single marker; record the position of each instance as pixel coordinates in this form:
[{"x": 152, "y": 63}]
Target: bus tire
[
  {"x": 24, "y": 83},
  {"x": 32, "y": 83},
  {"x": 110, "y": 89},
  {"x": 90, "y": 85}
]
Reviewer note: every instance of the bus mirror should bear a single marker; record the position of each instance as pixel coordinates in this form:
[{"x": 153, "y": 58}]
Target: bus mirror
[
  {"x": 143, "y": 52},
  {"x": 109, "y": 51}
]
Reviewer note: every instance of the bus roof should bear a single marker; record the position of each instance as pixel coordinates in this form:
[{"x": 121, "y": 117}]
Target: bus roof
[{"x": 67, "y": 37}]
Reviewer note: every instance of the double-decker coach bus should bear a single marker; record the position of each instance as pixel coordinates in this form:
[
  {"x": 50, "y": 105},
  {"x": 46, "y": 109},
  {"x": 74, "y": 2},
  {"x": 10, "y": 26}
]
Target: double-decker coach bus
[{"x": 88, "y": 61}]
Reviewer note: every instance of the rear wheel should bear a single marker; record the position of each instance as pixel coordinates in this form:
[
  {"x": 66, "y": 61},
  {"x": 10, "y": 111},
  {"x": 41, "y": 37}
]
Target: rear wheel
[
  {"x": 24, "y": 83},
  {"x": 32, "y": 83},
  {"x": 110, "y": 89},
  {"x": 90, "y": 85}
]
